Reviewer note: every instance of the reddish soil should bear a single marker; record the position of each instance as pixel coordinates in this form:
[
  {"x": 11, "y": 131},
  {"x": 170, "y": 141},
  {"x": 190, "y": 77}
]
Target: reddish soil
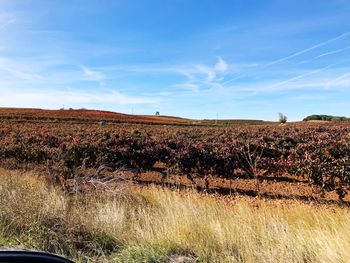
[
  {"x": 286, "y": 188},
  {"x": 283, "y": 188}
]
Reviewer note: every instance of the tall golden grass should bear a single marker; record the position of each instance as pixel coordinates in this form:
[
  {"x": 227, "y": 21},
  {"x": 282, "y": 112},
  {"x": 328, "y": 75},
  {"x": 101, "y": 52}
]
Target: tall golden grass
[{"x": 157, "y": 225}]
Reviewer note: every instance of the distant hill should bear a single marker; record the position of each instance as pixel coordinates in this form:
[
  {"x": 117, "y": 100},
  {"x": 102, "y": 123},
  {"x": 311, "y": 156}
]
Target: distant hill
[
  {"x": 84, "y": 115},
  {"x": 325, "y": 118},
  {"x": 95, "y": 116}
]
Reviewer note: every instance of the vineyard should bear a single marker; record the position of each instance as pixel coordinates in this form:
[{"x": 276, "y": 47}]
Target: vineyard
[
  {"x": 313, "y": 153},
  {"x": 84, "y": 116}
]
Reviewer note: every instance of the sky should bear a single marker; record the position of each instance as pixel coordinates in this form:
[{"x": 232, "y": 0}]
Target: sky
[{"x": 238, "y": 59}]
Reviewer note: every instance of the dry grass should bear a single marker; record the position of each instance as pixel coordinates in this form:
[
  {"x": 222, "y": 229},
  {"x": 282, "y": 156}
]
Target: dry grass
[{"x": 155, "y": 225}]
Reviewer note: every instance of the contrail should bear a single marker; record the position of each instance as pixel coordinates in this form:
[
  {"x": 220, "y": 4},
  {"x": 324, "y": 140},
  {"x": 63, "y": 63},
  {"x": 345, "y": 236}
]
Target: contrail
[
  {"x": 302, "y": 52},
  {"x": 308, "y": 73},
  {"x": 332, "y": 52},
  {"x": 299, "y": 77},
  {"x": 329, "y": 83},
  {"x": 233, "y": 79},
  {"x": 326, "y": 54},
  {"x": 308, "y": 49}
]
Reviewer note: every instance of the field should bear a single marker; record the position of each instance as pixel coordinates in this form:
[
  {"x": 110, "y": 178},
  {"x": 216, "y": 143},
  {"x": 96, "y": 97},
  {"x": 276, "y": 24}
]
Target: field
[
  {"x": 83, "y": 116},
  {"x": 298, "y": 160},
  {"x": 92, "y": 116},
  {"x": 166, "y": 189}
]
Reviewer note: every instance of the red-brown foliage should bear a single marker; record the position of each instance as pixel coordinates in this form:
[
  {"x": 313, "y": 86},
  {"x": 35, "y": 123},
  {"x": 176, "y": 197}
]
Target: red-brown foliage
[{"x": 317, "y": 152}]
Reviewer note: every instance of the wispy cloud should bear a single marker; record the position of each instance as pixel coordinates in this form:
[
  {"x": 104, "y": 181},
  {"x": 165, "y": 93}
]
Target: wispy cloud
[
  {"x": 296, "y": 54},
  {"x": 233, "y": 79},
  {"x": 7, "y": 23},
  {"x": 338, "y": 80},
  {"x": 200, "y": 75},
  {"x": 209, "y": 72},
  {"x": 55, "y": 98},
  {"x": 304, "y": 82},
  {"x": 221, "y": 65},
  {"x": 15, "y": 71},
  {"x": 326, "y": 54},
  {"x": 187, "y": 86},
  {"x": 308, "y": 49},
  {"x": 308, "y": 74},
  {"x": 94, "y": 75}
]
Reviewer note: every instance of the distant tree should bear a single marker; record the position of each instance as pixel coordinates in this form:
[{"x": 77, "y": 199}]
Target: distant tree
[
  {"x": 157, "y": 113},
  {"x": 325, "y": 118},
  {"x": 282, "y": 118}
]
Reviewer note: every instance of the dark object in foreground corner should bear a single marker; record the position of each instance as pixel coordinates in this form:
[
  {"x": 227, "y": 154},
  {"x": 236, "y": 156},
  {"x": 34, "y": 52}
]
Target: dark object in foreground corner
[{"x": 21, "y": 256}]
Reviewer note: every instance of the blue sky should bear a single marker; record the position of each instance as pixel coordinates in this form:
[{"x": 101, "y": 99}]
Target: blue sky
[{"x": 199, "y": 59}]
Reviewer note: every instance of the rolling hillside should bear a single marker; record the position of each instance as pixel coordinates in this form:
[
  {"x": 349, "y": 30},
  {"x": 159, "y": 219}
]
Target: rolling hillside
[
  {"x": 93, "y": 116},
  {"x": 83, "y": 115}
]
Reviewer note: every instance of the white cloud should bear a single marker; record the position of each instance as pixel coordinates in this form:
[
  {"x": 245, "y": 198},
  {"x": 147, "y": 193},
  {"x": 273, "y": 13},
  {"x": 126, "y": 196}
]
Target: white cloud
[
  {"x": 207, "y": 71},
  {"x": 211, "y": 72},
  {"x": 93, "y": 75},
  {"x": 200, "y": 75},
  {"x": 221, "y": 65}
]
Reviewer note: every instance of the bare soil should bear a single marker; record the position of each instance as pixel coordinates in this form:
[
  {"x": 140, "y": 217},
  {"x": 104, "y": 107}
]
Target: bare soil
[{"x": 283, "y": 188}]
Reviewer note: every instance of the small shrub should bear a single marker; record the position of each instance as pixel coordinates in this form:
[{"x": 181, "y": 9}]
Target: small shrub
[{"x": 282, "y": 118}]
